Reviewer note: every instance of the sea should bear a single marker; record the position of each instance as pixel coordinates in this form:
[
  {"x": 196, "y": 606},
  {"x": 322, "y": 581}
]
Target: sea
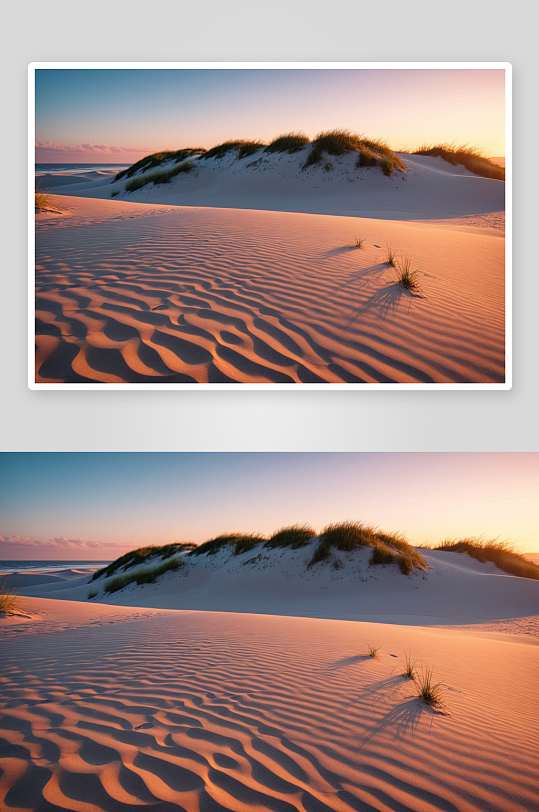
[
  {"x": 71, "y": 169},
  {"x": 49, "y": 566}
]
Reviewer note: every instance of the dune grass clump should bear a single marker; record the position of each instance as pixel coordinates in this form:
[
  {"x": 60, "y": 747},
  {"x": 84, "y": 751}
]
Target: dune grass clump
[
  {"x": 157, "y": 176},
  {"x": 143, "y": 575},
  {"x": 470, "y": 157},
  {"x": 409, "y": 670},
  {"x": 244, "y": 148},
  {"x": 92, "y": 593},
  {"x": 373, "y": 651},
  {"x": 387, "y": 547},
  {"x": 115, "y": 192},
  {"x": 382, "y": 554},
  {"x": 42, "y": 198},
  {"x": 241, "y": 542},
  {"x": 9, "y": 600},
  {"x": 360, "y": 243},
  {"x": 406, "y": 275},
  {"x": 371, "y": 152},
  {"x": 298, "y": 535},
  {"x": 391, "y": 257},
  {"x": 134, "y": 558},
  {"x": 158, "y": 158},
  {"x": 429, "y": 691},
  {"x": 500, "y": 553},
  {"x": 288, "y": 142}
]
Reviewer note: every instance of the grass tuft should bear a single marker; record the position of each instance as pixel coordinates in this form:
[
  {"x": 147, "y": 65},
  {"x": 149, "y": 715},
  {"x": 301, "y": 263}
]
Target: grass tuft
[
  {"x": 157, "y": 177},
  {"x": 241, "y": 542},
  {"x": 470, "y": 157},
  {"x": 298, "y": 535},
  {"x": 157, "y": 159},
  {"x": 42, "y": 199},
  {"x": 370, "y": 151},
  {"x": 115, "y": 192},
  {"x": 406, "y": 276},
  {"x": 360, "y": 243},
  {"x": 382, "y": 554},
  {"x": 9, "y": 600},
  {"x": 289, "y": 142},
  {"x": 92, "y": 593},
  {"x": 242, "y": 147},
  {"x": 500, "y": 553},
  {"x": 143, "y": 555},
  {"x": 409, "y": 666},
  {"x": 141, "y": 575},
  {"x": 429, "y": 691},
  {"x": 373, "y": 651},
  {"x": 391, "y": 257}
]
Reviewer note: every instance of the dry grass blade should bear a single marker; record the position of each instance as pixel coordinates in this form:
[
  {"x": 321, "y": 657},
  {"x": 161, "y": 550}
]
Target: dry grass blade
[
  {"x": 409, "y": 666},
  {"x": 429, "y": 691},
  {"x": 42, "y": 199},
  {"x": 373, "y": 651},
  {"x": 9, "y": 601},
  {"x": 391, "y": 257},
  {"x": 360, "y": 243},
  {"x": 406, "y": 276}
]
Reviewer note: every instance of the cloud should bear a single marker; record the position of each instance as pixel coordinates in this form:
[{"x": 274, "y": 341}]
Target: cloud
[
  {"x": 97, "y": 149},
  {"x": 60, "y": 543}
]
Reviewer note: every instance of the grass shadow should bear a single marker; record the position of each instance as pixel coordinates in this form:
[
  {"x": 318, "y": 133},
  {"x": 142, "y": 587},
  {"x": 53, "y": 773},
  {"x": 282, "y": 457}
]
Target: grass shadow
[
  {"x": 356, "y": 658},
  {"x": 403, "y": 720},
  {"x": 385, "y": 302}
]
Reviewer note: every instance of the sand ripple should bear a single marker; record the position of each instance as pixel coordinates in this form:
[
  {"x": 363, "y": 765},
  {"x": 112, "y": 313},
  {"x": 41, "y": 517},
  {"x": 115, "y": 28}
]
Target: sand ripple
[
  {"x": 237, "y": 296},
  {"x": 213, "y": 711}
]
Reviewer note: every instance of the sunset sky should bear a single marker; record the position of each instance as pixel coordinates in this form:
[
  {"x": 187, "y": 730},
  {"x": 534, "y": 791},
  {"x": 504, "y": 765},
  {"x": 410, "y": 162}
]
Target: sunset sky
[
  {"x": 121, "y": 115},
  {"x": 88, "y": 506}
]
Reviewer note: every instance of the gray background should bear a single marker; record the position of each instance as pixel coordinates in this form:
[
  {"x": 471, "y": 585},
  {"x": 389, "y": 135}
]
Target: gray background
[{"x": 297, "y": 31}]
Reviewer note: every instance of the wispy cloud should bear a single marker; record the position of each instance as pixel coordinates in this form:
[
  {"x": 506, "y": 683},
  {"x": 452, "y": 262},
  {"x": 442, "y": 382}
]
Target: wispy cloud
[
  {"x": 60, "y": 543},
  {"x": 97, "y": 149}
]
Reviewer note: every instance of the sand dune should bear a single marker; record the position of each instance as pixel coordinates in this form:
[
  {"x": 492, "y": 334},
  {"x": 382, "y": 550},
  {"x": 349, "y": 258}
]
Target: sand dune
[
  {"x": 147, "y": 293},
  {"x": 108, "y": 708}
]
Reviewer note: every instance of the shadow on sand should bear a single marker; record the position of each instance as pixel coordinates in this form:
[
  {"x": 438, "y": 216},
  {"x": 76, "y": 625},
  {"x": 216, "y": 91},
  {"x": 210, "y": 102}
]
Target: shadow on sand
[{"x": 385, "y": 302}]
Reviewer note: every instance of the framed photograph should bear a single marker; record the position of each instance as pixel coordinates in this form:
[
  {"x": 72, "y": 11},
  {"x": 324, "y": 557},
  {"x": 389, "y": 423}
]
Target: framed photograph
[{"x": 269, "y": 225}]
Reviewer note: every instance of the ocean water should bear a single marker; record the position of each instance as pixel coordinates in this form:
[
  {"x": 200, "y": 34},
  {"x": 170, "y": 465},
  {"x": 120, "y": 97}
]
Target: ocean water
[
  {"x": 70, "y": 169},
  {"x": 49, "y": 566}
]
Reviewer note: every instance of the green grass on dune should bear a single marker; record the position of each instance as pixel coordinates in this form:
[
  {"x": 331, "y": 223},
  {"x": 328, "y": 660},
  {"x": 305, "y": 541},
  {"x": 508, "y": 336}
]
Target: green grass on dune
[
  {"x": 500, "y": 553},
  {"x": 243, "y": 148},
  {"x": 288, "y": 142},
  {"x": 387, "y": 547},
  {"x": 140, "y": 575},
  {"x": 238, "y": 542},
  {"x": 9, "y": 600},
  {"x": 157, "y": 176},
  {"x": 298, "y": 535},
  {"x": 470, "y": 157},
  {"x": 135, "y": 558},
  {"x": 371, "y": 152},
  {"x": 157, "y": 158}
]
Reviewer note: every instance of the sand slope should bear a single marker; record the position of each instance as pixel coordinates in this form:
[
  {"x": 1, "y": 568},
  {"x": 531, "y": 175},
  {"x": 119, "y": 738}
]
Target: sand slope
[
  {"x": 208, "y": 712},
  {"x": 140, "y": 293}
]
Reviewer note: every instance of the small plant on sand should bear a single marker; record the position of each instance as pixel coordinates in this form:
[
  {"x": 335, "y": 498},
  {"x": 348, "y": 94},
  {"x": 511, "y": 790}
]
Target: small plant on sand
[
  {"x": 289, "y": 142},
  {"x": 470, "y": 157},
  {"x": 115, "y": 192},
  {"x": 373, "y": 651},
  {"x": 406, "y": 276},
  {"x": 360, "y": 243},
  {"x": 42, "y": 199},
  {"x": 428, "y": 690},
  {"x": 409, "y": 666},
  {"x": 8, "y": 598},
  {"x": 391, "y": 258},
  {"x": 92, "y": 593},
  {"x": 500, "y": 553}
]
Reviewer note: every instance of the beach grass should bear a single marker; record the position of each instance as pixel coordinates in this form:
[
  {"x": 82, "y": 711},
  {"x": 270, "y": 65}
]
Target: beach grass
[
  {"x": 240, "y": 542},
  {"x": 348, "y": 536},
  {"x": 373, "y": 651},
  {"x": 42, "y": 198},
  {"x": 500, "y": 553},
  {"x": 92, "y": 593},
  {"x": 391, "y": 257},
  {"x": 406, "y": 275},
  {"x": 360, "y": 243},
  {"x": 429, "y": 691},
  {"x": 115, "y": 192},
  {"x": 371, "y": 152},
  {"x": 243, "y": 147},
  {"x": 143, "y": 555},
  {"x": 158, "y": 176},
  {"x": 157, "y": 159},
  {"x": 297, "y": 535},
  {"x": 9, "y": 600},
  {"x": 409, "y": 670},
  {"x": 141, "y": 575},
  {"x": 288, "y": 142},
  {"x": 470, "y": 157}
]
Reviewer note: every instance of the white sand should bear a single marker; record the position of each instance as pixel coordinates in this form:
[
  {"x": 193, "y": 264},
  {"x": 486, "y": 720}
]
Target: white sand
[{"x": 250, "y": 274}]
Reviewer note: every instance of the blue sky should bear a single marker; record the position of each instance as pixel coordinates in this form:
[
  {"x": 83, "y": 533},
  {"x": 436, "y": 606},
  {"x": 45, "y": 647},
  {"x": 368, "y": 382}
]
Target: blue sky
[{"x": 99, "y": 505}]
